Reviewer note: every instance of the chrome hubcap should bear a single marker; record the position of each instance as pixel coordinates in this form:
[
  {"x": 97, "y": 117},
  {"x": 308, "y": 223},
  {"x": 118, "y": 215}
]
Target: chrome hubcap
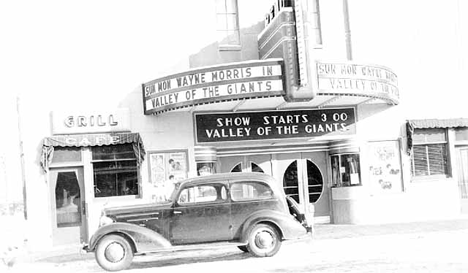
[
  {"x": 264, "y": 240},
  {"x": 114, "y": 252}
]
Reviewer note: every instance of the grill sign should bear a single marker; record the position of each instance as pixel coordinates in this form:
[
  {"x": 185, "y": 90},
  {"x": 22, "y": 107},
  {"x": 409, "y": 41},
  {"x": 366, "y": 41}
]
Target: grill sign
[{"x": 274, "y": 125}]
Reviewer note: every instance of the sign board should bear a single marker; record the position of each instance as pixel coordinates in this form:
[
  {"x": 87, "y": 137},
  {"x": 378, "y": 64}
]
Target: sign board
[
  {"x": 357, "y": 79},
  {"x": 214, "y": 84},
  {"x": 284, "y": 37},
  {"x": 221, "y": 127},
  {"x": 88, "y": 140},
  {"x": 165, "y": 169},
  {"x": 385, "y": 173},
  {"x": 99, "y": 121}
]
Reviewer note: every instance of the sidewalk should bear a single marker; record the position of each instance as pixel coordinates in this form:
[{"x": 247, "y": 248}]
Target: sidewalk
[
  {"x": 322, "y": 232},
  {"x": 329, "y": 231}
]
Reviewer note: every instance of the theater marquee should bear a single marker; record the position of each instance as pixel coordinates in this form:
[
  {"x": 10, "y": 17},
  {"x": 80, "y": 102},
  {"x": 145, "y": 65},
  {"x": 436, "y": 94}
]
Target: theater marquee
[
  {"x": 214, "y": 84},
  {"x": 219, "y": 127},
  {"x": 353, "y": 79}
]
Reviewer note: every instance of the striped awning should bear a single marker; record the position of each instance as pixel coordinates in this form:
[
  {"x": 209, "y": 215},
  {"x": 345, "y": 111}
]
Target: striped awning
[
  {"x": 90, "y": 140},
  {"x": 87, "y": 140},
  {"x": 438, "y": 123}
]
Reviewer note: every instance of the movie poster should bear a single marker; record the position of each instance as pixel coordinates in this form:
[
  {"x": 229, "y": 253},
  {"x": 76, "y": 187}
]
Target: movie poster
[
  {"x": 385, "y": 166},
  {"x": 166, "y": 168}
]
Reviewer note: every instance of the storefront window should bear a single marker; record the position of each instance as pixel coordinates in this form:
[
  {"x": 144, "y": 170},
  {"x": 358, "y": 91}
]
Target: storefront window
[
  {"x": 345, "y": 170},
  {"x": 115, "y": 171},
  {"x": 429, "y": 152}
]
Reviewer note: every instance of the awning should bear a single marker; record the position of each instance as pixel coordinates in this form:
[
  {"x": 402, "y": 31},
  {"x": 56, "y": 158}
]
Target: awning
[
  {"x": 89, "y": 140},
  {"x": 428, "y": 124},
  {"x": 438, "y": 123}
]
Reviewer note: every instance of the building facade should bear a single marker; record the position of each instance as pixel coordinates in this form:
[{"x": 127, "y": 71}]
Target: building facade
[{"x": 318, "y": 94}]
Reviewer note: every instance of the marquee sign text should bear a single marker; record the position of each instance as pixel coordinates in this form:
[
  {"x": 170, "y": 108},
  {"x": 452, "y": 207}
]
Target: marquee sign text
[
  {"x": 274, "y": 125},
  {"x": 214, "y": 84},
  {"x": 357, "y": 79}
]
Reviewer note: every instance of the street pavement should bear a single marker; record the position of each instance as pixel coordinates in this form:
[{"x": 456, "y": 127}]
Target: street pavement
[{"x": 432, "y": 246}]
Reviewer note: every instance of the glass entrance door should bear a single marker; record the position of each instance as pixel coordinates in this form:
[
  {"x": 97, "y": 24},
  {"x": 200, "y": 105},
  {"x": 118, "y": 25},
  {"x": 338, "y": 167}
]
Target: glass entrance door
[
  {"x": 67, "y": 206},
  {"x": 303, "y": 180},
  {"x": 302, "y": 175}
]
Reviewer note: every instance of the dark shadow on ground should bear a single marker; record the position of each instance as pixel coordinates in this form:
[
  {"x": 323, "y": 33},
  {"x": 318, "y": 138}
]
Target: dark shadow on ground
[
  {"x": 187, "y": 257},
  {"x": 67, "y": 258}
]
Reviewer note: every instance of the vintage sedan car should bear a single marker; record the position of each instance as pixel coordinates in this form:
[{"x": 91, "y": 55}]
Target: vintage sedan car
[{"x": 247, "y": 210}]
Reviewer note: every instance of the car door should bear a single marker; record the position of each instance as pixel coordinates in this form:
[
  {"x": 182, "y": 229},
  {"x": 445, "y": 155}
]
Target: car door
[
  {"x": 201, "y": 214},
  {"x": 248, "y": 197}
]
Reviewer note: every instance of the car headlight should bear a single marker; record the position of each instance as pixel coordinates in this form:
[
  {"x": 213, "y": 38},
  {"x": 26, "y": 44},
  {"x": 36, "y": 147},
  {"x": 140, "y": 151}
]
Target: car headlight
[{"x": 105, "y": 220}]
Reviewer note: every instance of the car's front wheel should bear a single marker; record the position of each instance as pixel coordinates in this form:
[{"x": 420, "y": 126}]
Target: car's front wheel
[
  {"x": 264, "y": 241},
  {"x": 114, "y": 253}
]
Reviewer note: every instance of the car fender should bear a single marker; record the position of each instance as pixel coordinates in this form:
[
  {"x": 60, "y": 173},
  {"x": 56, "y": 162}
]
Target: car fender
[
  {"x": 287, "y": 225},
  {"x": 143, "y": 239}
]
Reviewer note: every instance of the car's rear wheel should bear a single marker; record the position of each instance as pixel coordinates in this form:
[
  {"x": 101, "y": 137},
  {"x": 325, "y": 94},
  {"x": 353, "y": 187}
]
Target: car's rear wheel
[
  {"x": 264, "y": 241},
  {"x": 114, "y": 253}
]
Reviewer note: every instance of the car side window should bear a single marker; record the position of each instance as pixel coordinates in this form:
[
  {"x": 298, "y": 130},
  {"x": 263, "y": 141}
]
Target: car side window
[
  {"x": 241, "y": 191},
  {"x": 202, "y": 193}
]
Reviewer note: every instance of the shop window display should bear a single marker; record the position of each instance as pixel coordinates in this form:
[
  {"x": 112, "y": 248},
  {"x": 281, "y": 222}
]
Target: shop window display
[
  {"x": 115, "y": 171},
  {"x": 345, "y": 170}
]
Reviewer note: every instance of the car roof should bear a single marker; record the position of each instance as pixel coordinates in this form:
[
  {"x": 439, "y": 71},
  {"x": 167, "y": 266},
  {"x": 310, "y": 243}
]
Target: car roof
[{"x": 231, "y": 177}]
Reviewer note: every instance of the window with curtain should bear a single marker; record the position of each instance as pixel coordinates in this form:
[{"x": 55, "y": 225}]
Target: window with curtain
[
  {"x": 430, "y": 155},
  {"x": 227, "y": 23}
]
